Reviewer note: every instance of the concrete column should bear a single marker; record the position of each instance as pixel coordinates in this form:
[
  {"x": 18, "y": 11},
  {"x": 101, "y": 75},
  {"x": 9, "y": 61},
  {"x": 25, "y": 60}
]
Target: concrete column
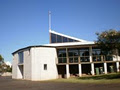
[
  {"x": 67, "y": 71},
  {"x": 80, "y": 70},
  {"x": 117, "y": 66},
  {"x": 67, "y": 55},
  {"x": 92, "y": 69},
  {"x": 90, "y": 53},
  {"x": 105, "y": 68}
]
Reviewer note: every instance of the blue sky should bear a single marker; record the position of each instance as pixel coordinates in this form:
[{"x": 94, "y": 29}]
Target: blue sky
[{"x": 25, "y": 22}]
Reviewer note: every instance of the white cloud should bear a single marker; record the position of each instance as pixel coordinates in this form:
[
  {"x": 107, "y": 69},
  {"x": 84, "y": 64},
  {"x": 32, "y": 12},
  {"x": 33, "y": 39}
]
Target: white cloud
[{"x": 8, "y": 63}]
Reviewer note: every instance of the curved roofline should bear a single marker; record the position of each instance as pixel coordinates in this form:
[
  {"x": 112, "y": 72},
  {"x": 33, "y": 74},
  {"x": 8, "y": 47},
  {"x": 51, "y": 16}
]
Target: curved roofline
[{"x": 31, "y": 47}]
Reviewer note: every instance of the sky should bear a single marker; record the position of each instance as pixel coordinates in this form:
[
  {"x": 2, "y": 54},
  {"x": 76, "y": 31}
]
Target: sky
[{"x": 25, "y": 22}]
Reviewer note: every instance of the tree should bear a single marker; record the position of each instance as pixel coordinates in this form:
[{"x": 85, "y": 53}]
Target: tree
[
  {"x": 1, "y": 63},
  {"x": 1, "y": 58},
  {"x": 3, "y": 66},
  {"x": 109, "y": 41}
]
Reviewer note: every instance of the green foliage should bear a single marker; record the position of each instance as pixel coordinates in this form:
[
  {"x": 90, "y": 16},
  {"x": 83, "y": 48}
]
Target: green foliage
[
  {"x": 1, "y": 58},
  {"x": 106, "y": 76},
  {"x": 108, "y": 40},
  {"x": 3, "y": 66}
]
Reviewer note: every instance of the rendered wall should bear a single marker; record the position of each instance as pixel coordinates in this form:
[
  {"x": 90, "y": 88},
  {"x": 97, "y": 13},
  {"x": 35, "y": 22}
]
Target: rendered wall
[
  {"x": 41, "y": 56},
  {"x": 16, "y": 74},
  {"x": 27, "y": 64},
  {"x": 22, "y": 70}
]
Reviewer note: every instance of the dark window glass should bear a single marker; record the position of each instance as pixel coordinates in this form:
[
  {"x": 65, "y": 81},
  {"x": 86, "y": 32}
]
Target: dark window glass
[
  {"x": 84, "y": 52},
  {"x": 96, "y": 52},
  {"x": 62, "y": 53},
  {"x": 65, "y": 39},
  {"x": 75, "y": 41},
  {"x": 45, "y": 66},
  {"x": 20, "y": 56},
  {"x": 84, "y": 59},
  {"x": 53, "y": 38},
  {"x": 72, "y": 52},
  {"x": 70, "y": 40},
  {"x": 59, "y": 39},
  {"x": 62, "y": 60}
]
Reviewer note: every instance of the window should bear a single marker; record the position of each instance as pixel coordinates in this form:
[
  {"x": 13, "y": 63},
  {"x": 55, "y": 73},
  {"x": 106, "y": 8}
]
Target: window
[
  {"x": 62, "y": 56},
  {"x": 59, "y": 39},
  {"x": 65, "y": 39},
  {"x": 84, "y": 52},
  {"x": 53, "y": 38},
  {"x": 73, "y": 52},
  {"x": 20, "y": 57},
  {"x": 73, "y": 55},
  {"x": 84, "y": 55},
  {"x": 45, "y": 66},
  {"x": 70, "y": 40},
  {"x": 96, "y": 51}
]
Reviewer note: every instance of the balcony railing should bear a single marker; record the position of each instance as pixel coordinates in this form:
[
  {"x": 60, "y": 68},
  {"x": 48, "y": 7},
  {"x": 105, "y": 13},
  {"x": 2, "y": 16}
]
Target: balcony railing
[
  {"x": 62, "y": 60},
  {"x": 85, "y": 59},
  {"x": 74, "y": 59},
  {"x": 77, "y": 59},
  {"x": 97, "y": 58}
]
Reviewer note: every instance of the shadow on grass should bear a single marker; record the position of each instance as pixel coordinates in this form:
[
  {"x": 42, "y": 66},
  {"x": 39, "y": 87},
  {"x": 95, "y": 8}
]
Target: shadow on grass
[{"x": 107, "y": 76}]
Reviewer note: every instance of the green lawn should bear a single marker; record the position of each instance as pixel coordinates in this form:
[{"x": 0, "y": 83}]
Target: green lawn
[{"x": 101, "y": 79}]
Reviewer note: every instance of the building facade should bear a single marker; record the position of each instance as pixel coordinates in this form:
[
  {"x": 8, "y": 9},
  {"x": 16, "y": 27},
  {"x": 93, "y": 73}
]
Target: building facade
[{"x": 64, "y": 57}]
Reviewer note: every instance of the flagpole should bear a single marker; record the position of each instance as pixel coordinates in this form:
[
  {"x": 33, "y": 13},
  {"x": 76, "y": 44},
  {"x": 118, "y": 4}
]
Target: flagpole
[{"x": 49, "y": 20}]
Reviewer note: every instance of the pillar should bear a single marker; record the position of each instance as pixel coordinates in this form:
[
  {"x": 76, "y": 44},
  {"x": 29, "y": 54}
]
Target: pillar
[
  {"x": 90, "y": 53},
  {"x": 117, "y": 66},
  {"x": 67, "y": 71},
  {"x": 105, "y": 68},
  {"x": 80, "y": 70},
  {"x": 92, "y": 69}
]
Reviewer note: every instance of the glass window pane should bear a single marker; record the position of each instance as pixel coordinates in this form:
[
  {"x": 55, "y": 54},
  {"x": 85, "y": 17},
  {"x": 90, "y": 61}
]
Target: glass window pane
[
  {"x": 70, "y": 40},
  {"x": 62, "y": 53},
  {"x": 53, "y": 38},
  {"x": 20, "y": 55},
  {"x": 96, "y": 51},
  {"x": 84, "y": 52},
  {"x": 59, "y": 39},
  {"x": 72, "y": 52},
  {"x": 70, "y": 60},
  {"x": 76, "y": 60},
  {"x": 65, "y": 39}
]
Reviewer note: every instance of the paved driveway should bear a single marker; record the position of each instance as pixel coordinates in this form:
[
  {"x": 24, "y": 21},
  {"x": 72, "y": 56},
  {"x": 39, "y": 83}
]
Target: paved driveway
[{"x": 6, "y": 83}]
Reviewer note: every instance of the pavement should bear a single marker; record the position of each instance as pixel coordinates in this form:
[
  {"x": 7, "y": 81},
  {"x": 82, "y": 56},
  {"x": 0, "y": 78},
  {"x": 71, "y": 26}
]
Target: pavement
[{"x": 7, "y": 83}]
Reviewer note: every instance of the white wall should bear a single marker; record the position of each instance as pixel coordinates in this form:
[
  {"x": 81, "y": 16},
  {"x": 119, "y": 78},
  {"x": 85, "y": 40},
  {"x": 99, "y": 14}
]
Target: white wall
[
  {"x": 14, "y": 66},
  {"x": 27, "y": 64},
  {"x": 16, "y": 74},
  {"x": 41, "y": 56}
]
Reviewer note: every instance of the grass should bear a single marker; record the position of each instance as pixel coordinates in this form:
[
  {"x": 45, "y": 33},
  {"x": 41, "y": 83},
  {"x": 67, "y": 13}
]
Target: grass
[{"x": 101, "y": 79}]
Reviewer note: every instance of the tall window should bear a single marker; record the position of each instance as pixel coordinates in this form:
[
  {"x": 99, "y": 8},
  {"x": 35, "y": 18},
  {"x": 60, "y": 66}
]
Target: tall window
[
  {"x": 53, "y": 38},
  {"x": 20, "y": 57},
  {"x": 73, "y": 55},
  {"x": 62, "y": 56},
  {"x": 84, "y": 55},
  {"x": 96, "y": 54},
  {"x": 59, "y": 39}
]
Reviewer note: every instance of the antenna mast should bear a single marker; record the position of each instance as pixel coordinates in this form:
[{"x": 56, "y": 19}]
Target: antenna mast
[{"x": 49, "y": 20}]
